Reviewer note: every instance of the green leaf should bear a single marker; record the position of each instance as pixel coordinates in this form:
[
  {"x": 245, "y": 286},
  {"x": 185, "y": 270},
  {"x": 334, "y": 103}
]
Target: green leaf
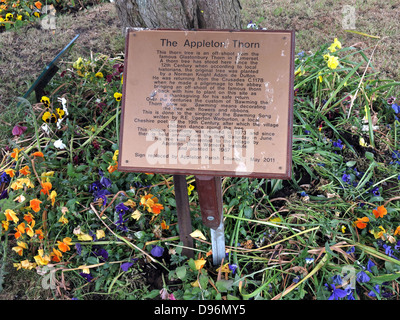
[
  {"x": 385, "y": 278},
  {"x": 248, "y": 212},
  {"x": 351, "y": 163},
  {"x": 203, "y": 280},
  {"x": 172, "y": 202},
  {"x": 181, "y": 272},
  {"x": 224, "y": 285},
  {"x": 152, "y": 294}
]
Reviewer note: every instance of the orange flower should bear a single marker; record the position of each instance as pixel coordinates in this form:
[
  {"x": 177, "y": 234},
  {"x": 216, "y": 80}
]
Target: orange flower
[
  {"x": 38, "y": 154},
  {"x": 164, "y": 225},
  {"x": 112, "y": 168},
  {"x": 35, "y": 204},
  {"x": 20, "y": 229},
  {"x": 15, "y": 153},
  {"x": 39, "y": 232},
  {"x": 361, "y": 223},
  {"x": 379, "y": 212},
  {"x": 28, "y": 217},
  {"x": 25, "y": 171},
  {"x": 64, "y": 245},
  {"x": 10, "y": 172},
  {"x": 38, "y": 5},
  {"x": 397, "y": 231},
  {"x": 56, "y": 255},
  {"x": 156, "y": 208},
  {"x": 11, "y": 215},
  {"x": 46, "y": 187}
]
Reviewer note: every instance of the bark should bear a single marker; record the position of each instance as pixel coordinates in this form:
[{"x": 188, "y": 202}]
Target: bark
[{"x": 179, "y": 14}]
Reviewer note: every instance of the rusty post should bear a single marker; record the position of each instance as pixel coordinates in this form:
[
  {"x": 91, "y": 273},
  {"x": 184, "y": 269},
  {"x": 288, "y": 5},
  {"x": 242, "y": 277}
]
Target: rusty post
[
  {"x": 183, "y": 213},
  {"x": 209, "y": 190}
]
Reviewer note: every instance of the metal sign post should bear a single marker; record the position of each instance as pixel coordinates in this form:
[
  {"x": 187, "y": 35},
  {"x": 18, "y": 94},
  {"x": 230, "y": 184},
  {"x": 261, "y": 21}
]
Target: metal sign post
[
  {"x": 48, "y": 73},
  {"x": 209, "y": 190}
]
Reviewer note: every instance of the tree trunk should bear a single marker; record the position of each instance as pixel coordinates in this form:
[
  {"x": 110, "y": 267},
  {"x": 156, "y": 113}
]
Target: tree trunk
[{"x": 179, "y": 14}]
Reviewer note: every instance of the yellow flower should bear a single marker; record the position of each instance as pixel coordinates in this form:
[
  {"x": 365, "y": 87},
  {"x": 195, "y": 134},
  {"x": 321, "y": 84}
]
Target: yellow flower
[
  {"x": 190, "y": 189},
  {"x": 378, "y": 234},
  {"x": 117, "y": 96},
  {"x": 99, "y": 75},
  {"x": 320, "y": 77},
  {"x": 300, "y": 71},
  {"x": 343, "y": 229},
  {"x": 336, "y": 44},
  {"x": 20, "y": 247},
  {"x": 45, "y": 176},
  {"x": 199, "y": 263},
  {"x": 136, "y": 215},
  {"x": 11, "y": 215},
  {"x": 115, "y": 156},
  {"x": 331, "y": 61},
  {"x": 15, "y": 153},
  {"x": 49, "y": 117},
  {"x": 63, "y": 220},
  {"x": 198, "y": 234},
  {"x": 78, "y": 64},
  {"x": 52, "y": 197},
  {"x": 46, "y": 101},
  {"x": 19, "y": 17},
  {"x": 5, "y": 224},
  {"x": 84, "y": 237},
  {"x": 41, "y": 259},
  {"x": 100, "y": 234},
  {"x": 25, "y": 264},
  {"x": 224, "y": 268}
]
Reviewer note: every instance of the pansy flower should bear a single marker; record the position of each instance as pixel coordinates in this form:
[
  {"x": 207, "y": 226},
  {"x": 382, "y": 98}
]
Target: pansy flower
[
  {"x": 64, "y": 245},
  {"x": 46, "y": 101},
  {"x": 117, "y": 96},
  {"x": 379, "y": 212},
  {"x": 35, "y": 204},
  {"x": 361, "y": 223},
  {"x": 25, "y": 171},
  {"x": 20, "y": 247}
]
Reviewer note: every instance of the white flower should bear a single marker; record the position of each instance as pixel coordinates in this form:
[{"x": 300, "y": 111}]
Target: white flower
[
  {"x": 59, "y": 144},
  {"x": 45, "y": 128}
]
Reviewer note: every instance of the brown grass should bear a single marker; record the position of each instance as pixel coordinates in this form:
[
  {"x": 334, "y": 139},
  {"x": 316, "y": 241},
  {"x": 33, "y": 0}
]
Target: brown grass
[
  {"x": 319, "y": 22},
  {"x": 25, "y": 52}
]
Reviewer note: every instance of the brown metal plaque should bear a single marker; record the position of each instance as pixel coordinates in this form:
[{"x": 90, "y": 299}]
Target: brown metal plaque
[{"x": 208, "y": 102}]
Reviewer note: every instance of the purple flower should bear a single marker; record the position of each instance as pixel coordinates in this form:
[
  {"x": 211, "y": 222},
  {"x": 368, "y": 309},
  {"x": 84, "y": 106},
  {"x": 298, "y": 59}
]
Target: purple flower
[
  {"x": 338, "y": 144},
  {"x": 125, "y": 266},
  {"x": 78, "y": 248},
  {"x": 102, "y": 254},
  {"x": 87, "y": 276},
  {"x": 372, "y": 292},
  {"x": 362, "y": 277},
  {"x": 121, "y": 208},
  {"x": 4, "y": 194},
  {"x": 232, "y": 267},
  {"x": 157, "y": 251},
  {"x": 370, "y": 264},
  {"x": 336, "y": 293},
  {"x": 18, "y": 130},
  {"x": 346, "y": 178}
]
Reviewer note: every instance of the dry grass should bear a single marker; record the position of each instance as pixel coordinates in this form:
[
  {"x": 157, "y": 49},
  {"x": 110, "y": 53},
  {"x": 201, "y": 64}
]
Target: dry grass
[
  {"x": 319, "y": 22},
  {"x": 25, "y": 52}
]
